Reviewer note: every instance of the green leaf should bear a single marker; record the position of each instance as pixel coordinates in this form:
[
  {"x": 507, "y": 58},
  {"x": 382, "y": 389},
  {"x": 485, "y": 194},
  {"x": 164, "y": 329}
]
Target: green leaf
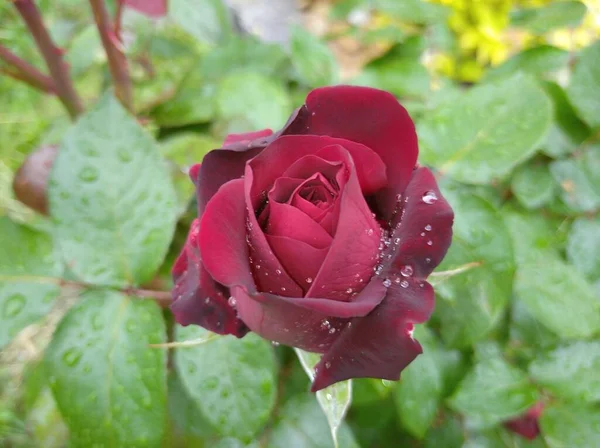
[
  {"x": 367, "y": 391},
  {"x": 193, "y": 102},
  {"x": 27, "y": 260},
  {"x": 533, "y": 185},
  {"x": 583, "y": 246},
  {"x": 189, "y": 424},
  {"x": 567, "y": 131},
  {"x": 448, "y": 435},
  {"x": 45, "y": 422},
  {"x": 111, "y": 198},
  {"x": 402, "y": 77},
  {"x": 420, "y": 389},
  {"x": 471, "y": 303},
  {"x": 571, "y": 425},
  {"x": 527, "y": 334},
  {"x": 486, "y": 132},
  {"x": 301, "y": 422},
  {"x": 108, "y": 383},
  {"x": 334, "y": 400},
  {"x": 570, "y": 371},
  {"x": 585, "y": 84},
  {"x": 255, "y": 100},
  {"x": 233, "y": 382},
  {"x": 542, "y": 61},
  {"x": 234, "y": 443},
  {"x": 415, "y": 11},
  {"x": 579, "y": 178},
  {"x": 208, "y": 21},
  {"x": 315, "y": 63},
  {"x": 562, "y": 14},
  {"x": 558, "y": 296},
  {"x": 493, "y": 391}
]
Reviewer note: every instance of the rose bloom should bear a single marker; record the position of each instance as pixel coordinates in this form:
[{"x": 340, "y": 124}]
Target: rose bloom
[
  {"x": 527, "y": 425},
  {"x": 319, "y": 236}
]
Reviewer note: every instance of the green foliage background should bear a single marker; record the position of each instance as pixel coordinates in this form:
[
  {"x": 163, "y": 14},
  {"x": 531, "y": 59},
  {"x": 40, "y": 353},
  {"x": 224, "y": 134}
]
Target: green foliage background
[{"x": 518, "y": 296}]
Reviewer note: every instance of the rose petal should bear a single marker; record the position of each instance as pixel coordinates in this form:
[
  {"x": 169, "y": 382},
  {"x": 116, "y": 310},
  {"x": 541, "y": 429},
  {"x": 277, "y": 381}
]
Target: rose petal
[
  {"x": 527, "y": 425},
  {"x": 244, "y": 141},
  {"x": 368, "y": 116},
  {"x": 285, "y": 220},
  {"x": 310, "y": 209},
  {"x": 379, "y": 345},
  {"x": 349, "y": 263},
  {"x": 425, "y": 231},
  {"x": 278, "y": 157},
  {"x": 302, "y": 261},
  {"x": 307, "y": 166},
  {"x": 272, "y": 276},
  {"x": 218, "y": 167},
  {"x": 151, "y": 8},
  {"x": 311, "y": 324},
  {"x": 197, "y": 298},
  {"x": 283, "y": 188},
  {"x": 222, "y": 238}
]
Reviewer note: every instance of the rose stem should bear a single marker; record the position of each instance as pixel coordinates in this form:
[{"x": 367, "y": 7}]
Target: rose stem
[
  {"x": 52, "y": 55},
  {"x": 117, "y": 62},
  {"x": 119, "y": 18},
  {"x": 25, "y": 72}
]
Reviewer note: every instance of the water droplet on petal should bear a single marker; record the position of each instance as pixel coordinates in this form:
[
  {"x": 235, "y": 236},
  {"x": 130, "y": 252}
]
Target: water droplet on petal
[
  {"x": 309, "y": 280},
  {"x": 404, "y": 284},
  {"x": 283, "y": 288},
  {"x": 430, "y": 243},
  {"x": 257, "y": 266},
  {"x": 349, "y": 291},
  {"x": 331, "y": 330},
  {"x": 406, "y": 271},
  {"x": 278, "y": 271},
  {"x": 427, "y": 260},
  {"x": 325, "y": 323},
  {"x": 387, "y": 283},
  {"x": 207, "y": 300},
  {"x": 275, "y": 344},
  {"x": 428, "y": 227},
  {"x": 369, "y": 232},
  {"x": 430, "y": 197},
  {"x": 327, "y": 365},
  {"x": 396, "y": 241},
  {"x": 232, "y": 301}
]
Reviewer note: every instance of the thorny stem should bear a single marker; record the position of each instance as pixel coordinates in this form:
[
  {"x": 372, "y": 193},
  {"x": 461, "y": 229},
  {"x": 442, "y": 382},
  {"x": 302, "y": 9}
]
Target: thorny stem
[
  {"x": 52, "y": 55},
  {"x": 25, "y": 72},
  {"x": 117, "y": 62},
  {"x": 163, "y": 298}
]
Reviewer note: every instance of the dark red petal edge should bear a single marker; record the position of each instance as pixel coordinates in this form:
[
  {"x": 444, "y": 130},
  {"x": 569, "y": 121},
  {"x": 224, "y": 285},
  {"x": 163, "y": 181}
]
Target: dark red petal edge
[{"x": 197, "y": 298}]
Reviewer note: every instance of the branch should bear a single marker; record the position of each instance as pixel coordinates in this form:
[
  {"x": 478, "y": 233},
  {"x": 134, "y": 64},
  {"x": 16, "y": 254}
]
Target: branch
[
  {"x": 25, "y": 72},
  {"x": 117, "y": 62},
  {"x": 52, "y": 55},
  {"x": 119, "y": 18},
  {"x": 163, "y": 298}
]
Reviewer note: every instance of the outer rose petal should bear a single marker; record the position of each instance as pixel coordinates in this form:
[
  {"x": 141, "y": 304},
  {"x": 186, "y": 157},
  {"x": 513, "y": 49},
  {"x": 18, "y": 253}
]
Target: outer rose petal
[
  {"x": 379, "y": 345},
  {"x": 247, "y": 140},
  {"x": 218, "y": 167},
  {"x": 222, "y": 239},
  {"x": 425, "y": 230},
  {"x": 309, "y": 323},
  {"x": 197, "y": 298},
  {"x": 368, "y": 116}
]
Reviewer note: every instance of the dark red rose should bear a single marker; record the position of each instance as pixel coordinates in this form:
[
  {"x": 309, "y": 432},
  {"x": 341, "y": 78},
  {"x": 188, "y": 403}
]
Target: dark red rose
[
  {"x": 527, "y": 425},
  {"x": 319, "y": 236}
]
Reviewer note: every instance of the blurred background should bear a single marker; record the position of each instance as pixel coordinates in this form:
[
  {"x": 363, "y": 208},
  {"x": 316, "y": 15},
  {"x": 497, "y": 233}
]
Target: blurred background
[{"x": 506, "y": 97}]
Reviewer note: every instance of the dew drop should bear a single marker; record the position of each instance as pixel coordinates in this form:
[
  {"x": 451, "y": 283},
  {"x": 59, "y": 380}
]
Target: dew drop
[
  {"x": 258, "y": 266},
  {"x": 329, "y": 397},
  {"x": 396, "y": 241},
  {"x": 325, "y": 323},
  {"x": 309, "y": 280},
  {"x": 331, "y": 330},
  {"x": 13, "y": 305},
  {"x": 232, "y": 302},
  {"x": 428, "y": 227},
  {"x": 283, "y": 288},
  {"x": 349, "y": 291},
  {"x": 430, "y": 197},
  {"x": 88, "y": 174},
  {"x": 422, "y": 233},
  {"x": 124, "y": 155},
  {"x": 387, "y": 283},
  {"x": 327, "y": 365},
  {"x": 406, "y": 271},
  {"x": 427, "y": 260},
  {"x": 430, "y": 243},
  {"x": 404, "y": 284},
  {"x": 369, "y": 232},
  {"x": 71, "y": 356},
  {"x": 278, "y": 271},
  {"x": 275, "y": 343},
  {"x": 207, "y": 300}
]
